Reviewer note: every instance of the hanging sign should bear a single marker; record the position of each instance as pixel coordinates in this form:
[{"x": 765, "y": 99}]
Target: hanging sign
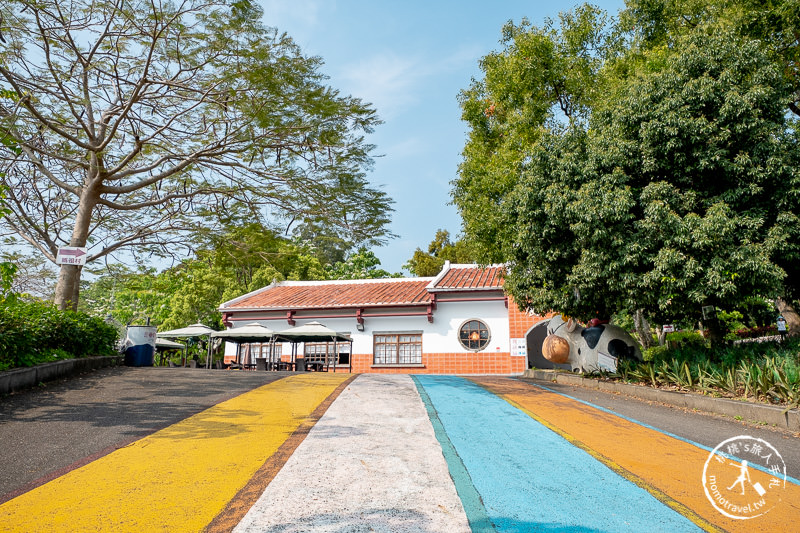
[{"x": 70, "y": 255}]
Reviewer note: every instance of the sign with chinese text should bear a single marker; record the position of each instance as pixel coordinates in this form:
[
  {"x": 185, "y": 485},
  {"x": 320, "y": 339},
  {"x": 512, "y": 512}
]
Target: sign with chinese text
[{"x": 70, "y": 255}]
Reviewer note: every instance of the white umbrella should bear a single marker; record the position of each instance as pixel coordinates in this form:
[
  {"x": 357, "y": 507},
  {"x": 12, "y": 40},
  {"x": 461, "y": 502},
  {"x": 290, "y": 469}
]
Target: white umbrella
[
  {"x": 313, "y": 332},
  {"x": 195, "y": 330},
  {"x": 165, "y": 344},
  {"x": 248, "y": 333}
]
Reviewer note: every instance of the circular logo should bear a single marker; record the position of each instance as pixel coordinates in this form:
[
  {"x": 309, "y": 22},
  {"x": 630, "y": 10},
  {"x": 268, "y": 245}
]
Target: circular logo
[{"x": 744, "y": 477}]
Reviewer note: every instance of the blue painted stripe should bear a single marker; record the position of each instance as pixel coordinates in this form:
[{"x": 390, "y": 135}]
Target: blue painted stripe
[
  {"x": 531, "y": 479},
  {"x": 477, "y": 517},
  {"x": 648, "y": 426}
]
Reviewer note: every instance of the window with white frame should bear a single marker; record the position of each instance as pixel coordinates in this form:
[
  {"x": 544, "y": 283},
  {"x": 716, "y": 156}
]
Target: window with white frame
[
  {"x": 397, "y": 348},
  {"x": 320, "y": 352},
  {"x": 258, "y": 350}
]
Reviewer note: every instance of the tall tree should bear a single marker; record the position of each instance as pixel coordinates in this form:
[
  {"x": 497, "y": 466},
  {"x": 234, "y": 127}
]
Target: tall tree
[
  {"x": 126, "y": 123},
  {"x": 543, "y": 76},
  {"x": 441, "y": 249},
  {"x": 678, "y": 190},
  {"x": 775, "y": 23}
]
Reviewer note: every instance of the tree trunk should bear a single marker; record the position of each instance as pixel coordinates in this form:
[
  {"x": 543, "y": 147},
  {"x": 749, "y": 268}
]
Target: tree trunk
[
  {"x": 642, "y": 328},
  {"x": 791, "y": 317},
  {"x": 69, "y": 278},
  {"x": 661, "y": 335},
  {"x": 68, "y": 287}
]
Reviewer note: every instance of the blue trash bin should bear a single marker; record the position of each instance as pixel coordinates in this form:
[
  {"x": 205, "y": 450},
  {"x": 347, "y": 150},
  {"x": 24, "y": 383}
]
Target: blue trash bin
[{"x": 140, "y": 345}]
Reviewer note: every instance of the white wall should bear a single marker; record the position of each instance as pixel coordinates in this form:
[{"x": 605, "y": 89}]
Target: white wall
[{"x": 439, "y": 337}]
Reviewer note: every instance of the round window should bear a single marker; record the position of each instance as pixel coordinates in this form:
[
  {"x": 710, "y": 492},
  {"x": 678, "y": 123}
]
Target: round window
[{"x": 474, "y": 335}]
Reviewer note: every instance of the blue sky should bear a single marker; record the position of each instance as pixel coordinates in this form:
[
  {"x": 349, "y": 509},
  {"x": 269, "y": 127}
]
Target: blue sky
[{"x": 409, "y": 59}]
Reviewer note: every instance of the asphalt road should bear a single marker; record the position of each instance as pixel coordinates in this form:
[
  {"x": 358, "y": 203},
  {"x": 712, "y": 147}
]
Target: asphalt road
[
  {"x": 527, "y": 453},
  {"x": 706, "y": 429},
  {"x": 62, "y": 424}
]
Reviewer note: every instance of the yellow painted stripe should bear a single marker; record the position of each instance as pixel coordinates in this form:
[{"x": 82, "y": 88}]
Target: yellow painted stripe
[
  {"x": 179, "y": 478},
  {"x": 671, "y": 469}
]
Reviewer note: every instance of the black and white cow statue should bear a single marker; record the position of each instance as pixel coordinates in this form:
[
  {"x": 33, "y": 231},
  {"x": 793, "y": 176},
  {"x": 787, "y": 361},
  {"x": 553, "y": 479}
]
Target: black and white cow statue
[{"x": 598, "y": 347}]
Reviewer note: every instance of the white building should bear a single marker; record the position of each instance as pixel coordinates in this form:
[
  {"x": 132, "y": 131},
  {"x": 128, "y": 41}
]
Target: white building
[{"x": 459, "y": 322}]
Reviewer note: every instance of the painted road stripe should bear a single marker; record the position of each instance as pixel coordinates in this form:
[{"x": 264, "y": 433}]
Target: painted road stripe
[
  {"x": 371, "y": 463},
  {"x": 179, "y": 478},
  {"x": 670, "y": 466},
  {"x": 477, "y": 516},
  {"x": 532, "y": 479},
  {"x": 237, "y": 508},
  {"x": 684, "y": 439}
]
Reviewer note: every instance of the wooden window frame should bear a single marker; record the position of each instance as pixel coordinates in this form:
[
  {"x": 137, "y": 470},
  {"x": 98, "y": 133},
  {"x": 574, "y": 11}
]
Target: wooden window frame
[
  {"x": 397, "y": 353},
  {"x": 483, "y": 342}
]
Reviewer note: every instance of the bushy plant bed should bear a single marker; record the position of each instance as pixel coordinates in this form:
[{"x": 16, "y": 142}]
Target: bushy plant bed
[
  {"x": 34, "y": 332},
  {"x": 763, "y": 372}
]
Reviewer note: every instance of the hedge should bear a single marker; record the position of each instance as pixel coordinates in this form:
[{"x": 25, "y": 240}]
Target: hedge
[{"x": 34, "y": 332}]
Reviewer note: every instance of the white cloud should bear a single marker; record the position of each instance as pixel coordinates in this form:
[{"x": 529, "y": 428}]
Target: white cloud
[
  {"x": 298, "y": 18},
  {"x": 394, "y": 83},
  {"x": 388, "y": 81}
]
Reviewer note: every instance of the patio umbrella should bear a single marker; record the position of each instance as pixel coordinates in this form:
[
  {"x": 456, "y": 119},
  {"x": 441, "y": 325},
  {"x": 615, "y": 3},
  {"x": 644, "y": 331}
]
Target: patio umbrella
[
  {"x": 312, "y": 332},
  {"x": 164, "y": 344},
  {"x": 253, "y": 332},
  {"x": 195, "y": 330}
]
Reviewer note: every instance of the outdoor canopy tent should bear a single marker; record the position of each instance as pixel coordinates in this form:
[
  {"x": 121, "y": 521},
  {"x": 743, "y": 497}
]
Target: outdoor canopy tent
[
  {"x": 315, "y": 332},
  {"x": 248, "y": 333},
  {"x": 164, "y": 344},
  {"x": 195, "y": 330}
]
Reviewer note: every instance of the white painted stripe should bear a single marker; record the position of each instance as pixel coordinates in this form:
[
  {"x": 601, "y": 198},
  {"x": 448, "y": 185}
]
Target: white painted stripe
[{"x": 356, "y": 471}]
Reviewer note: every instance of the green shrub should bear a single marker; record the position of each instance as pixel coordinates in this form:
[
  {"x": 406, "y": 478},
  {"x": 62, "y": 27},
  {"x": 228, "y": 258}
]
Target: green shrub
[
  {"x": 686, "y": 339},
  {"x": 33, "y": 332},
  {"x": 656, "y": 353}
]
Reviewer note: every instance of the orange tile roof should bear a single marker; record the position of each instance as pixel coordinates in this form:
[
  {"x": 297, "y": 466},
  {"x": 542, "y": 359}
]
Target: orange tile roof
[
  {"x": 471, "y": 277},
  {"x": 326, "y": 295}
]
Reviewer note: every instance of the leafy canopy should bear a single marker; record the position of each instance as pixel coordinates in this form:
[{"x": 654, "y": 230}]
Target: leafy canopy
[
  {"x": 128, "y": 124},
  {"x": 673, "y": 185}
]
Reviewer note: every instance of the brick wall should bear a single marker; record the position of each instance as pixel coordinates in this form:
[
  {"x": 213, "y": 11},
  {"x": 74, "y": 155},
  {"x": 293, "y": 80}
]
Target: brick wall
[
  {"x": 520, "y": 322},
  {"x": 450, "y": 363}
]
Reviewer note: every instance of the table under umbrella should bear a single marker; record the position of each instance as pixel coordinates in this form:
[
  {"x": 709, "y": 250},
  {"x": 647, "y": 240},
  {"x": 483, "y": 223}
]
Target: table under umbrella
[
  {"x": 316, "y": 332},
  {"x": 249, "y": 333},
  {"x": 194, "y": 330}
]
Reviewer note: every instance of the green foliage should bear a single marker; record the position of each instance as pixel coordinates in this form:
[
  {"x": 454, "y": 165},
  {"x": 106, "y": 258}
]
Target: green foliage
[
  {"x": 229, "y": 262},
  {"x": 7, "y": 272},
  {"x": 543, "y": 75},
  {"x": 672, "y": 184},
  {"x": 655, "y": 353},
  {"x": 440, "y": 249},
  {"x": 33, "y": 332},
  {"x": 686, "y": 340},
  {"x": 361, "y": 265},
  {"x": 769, "y": 373},
  {"x": 731, "y": 322}
]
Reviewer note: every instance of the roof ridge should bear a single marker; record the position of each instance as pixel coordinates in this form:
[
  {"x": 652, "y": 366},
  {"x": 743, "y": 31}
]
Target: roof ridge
[{"x": 311, "y": 283}]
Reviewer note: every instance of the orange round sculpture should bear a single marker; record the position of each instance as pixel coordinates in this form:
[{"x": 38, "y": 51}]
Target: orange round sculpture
[{"x": 555, "y": 349}]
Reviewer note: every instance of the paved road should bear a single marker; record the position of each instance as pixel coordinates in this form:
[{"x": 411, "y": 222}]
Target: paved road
[
  {"x": 325, "y": 452},
  {"x": 65, "y": 423}
]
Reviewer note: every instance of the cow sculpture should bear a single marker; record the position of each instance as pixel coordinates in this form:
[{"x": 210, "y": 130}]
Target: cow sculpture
[{"x": 598, "y": 347}]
